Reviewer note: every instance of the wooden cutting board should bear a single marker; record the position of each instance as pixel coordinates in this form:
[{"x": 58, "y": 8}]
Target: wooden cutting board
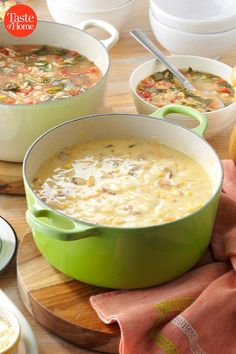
[
  {"x": 61, "y": 304},
  {"x": 11, "y": 180}
]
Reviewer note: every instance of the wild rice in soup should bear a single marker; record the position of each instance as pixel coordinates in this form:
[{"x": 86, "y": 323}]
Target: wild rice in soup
[{"x": 123, "y": 182}]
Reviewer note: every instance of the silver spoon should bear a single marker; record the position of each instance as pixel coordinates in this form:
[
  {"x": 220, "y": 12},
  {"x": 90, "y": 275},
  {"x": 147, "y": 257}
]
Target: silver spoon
[{"x": 145, "y": 41}]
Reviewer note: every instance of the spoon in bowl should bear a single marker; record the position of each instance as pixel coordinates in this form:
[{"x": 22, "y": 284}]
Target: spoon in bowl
[{"x": 145, "y": 41}]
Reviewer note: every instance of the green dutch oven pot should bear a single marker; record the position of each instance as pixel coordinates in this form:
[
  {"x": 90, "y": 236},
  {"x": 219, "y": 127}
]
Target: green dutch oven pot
[{"x": 118, "y": 257}]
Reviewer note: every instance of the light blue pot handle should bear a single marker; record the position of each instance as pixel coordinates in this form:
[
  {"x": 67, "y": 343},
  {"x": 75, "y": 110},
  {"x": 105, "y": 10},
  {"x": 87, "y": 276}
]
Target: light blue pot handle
[
  {"x": 186, "y": 111},
  {"x": 57, "y": 226}
]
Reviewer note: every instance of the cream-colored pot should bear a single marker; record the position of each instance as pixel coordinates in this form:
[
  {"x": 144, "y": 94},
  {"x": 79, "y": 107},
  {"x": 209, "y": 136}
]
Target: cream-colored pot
[{"x": 20, "y": 125}]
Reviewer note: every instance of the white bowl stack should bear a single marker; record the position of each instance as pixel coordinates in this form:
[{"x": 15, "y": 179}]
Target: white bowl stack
[
  {"x": 72, "y": 12},
  {"x": 203, "y": 27}
]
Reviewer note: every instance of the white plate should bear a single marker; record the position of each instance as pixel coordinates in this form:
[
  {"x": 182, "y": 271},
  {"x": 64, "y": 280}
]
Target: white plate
[
  {"x": 8, "y": 244},
  {"x": 202, "y": 16}
]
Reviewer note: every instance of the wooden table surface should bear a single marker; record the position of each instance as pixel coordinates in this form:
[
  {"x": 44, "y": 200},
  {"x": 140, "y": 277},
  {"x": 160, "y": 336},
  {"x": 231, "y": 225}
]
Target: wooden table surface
[{"x": 126, "y": 55}]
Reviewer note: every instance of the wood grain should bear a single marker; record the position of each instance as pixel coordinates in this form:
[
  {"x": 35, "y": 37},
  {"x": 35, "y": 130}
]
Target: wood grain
[
  {"x": 61, "y": 304},
  {"x": 11, "y": 181}
]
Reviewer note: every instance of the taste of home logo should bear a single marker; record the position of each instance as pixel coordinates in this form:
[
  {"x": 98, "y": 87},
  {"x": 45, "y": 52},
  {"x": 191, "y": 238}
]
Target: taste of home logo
[{"x": 20, "y": 20}]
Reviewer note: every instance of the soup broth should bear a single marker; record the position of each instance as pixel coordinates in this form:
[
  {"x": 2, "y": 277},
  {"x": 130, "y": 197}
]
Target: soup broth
[
  {"x": 32, "y": 74},
  {"x": 162, "y": 88},
  {"x": 123, "y": 182}
]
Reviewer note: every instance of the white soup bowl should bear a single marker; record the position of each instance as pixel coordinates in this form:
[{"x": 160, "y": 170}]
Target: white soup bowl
[{"x": 218, "y": 120}]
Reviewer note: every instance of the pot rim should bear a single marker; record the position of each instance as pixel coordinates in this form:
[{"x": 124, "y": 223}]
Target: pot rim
[
  {"x": 148, "y": 62},
  {"x": 99, "y": 226},
  {"x": 100, "y": 82}
]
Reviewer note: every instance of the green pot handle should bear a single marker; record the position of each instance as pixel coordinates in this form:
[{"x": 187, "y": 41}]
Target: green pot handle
[
  {"x": 189, "y": 112},
  {"x": 57, "y": 226}
]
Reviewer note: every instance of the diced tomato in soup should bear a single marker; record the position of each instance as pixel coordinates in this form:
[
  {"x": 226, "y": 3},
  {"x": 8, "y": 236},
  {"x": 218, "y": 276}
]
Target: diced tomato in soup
[{"x": 32, "y": 74}]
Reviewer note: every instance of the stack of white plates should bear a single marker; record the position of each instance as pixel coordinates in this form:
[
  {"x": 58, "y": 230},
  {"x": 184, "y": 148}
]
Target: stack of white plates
[
  {"x": 72, "y": 12},
  {"x": 205, "y": 28}
]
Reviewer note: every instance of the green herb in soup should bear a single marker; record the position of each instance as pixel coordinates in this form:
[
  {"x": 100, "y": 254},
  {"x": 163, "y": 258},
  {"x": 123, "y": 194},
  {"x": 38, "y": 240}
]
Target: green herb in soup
[
  {"x": 32, "y": 74},
  {"x": 162, "y": 88}
]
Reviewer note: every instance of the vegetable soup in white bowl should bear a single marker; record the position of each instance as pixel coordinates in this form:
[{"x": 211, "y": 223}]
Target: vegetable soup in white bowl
[{"x": 154, "y": 87}]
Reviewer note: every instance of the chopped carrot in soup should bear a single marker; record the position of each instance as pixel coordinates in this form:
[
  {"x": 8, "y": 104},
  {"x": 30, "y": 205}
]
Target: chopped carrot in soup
[
  {"x": 32, "y": 74},
  {"x": 162, "y": 88}
]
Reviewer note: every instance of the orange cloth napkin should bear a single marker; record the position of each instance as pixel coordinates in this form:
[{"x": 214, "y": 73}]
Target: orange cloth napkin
[{"x": 195, "y": 313}]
